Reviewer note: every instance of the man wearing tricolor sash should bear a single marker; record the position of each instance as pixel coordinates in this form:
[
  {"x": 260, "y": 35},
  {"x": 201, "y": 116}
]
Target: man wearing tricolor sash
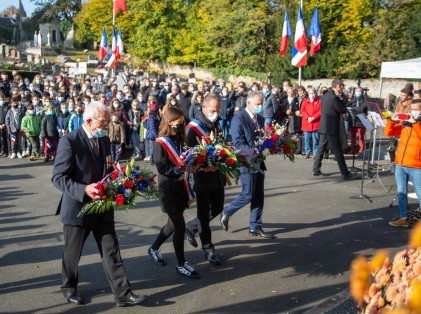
[
  {"x": 176, "y": 191},
  {"x": 209, "y": 182}
]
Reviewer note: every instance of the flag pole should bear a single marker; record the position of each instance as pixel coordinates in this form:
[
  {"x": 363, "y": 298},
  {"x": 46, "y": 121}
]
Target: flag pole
[
  {"x": 113, "y": 69},
  {"x": 299, "y": 69}
]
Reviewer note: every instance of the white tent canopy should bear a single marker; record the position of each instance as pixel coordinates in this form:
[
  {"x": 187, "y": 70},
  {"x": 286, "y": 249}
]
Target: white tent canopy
[{"x": 410, "y": 69}]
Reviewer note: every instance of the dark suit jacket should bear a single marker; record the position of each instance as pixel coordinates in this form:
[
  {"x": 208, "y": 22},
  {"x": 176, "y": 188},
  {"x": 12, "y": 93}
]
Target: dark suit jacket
[
  {"x": 244, "y": 135},
  {"x": 332, "y": 109},
  {"x": 76, "y": 166}
]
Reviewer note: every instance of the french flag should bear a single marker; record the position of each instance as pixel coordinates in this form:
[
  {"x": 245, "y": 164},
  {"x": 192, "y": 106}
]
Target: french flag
[
  {"x": 286, "y": 33},
  {"x": 299, "y": 51},
  {"x": 103, "y": 47},
  {"x": 314, "y": 31},
  {"x": 114, "y": 42},
  {"x": 48, "y": 144},
  {"x": 13, "y": 138},
  {"x": 120, "y": 47},
  {"x": 111, "y": 62}
]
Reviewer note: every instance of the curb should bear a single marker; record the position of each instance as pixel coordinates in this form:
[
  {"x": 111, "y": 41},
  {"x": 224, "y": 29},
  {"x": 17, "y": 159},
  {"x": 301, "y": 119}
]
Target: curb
[{"x": 340, "y": 303}]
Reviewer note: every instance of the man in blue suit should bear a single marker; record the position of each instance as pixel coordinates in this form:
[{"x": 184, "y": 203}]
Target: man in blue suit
[
  {"x": 83, "y": 158},
  {"x": 245, "y": 128}
]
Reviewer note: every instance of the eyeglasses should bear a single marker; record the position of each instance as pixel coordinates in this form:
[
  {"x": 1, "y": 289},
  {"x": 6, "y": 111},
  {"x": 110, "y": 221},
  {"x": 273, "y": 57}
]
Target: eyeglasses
[{"x": 103, "y": 122}]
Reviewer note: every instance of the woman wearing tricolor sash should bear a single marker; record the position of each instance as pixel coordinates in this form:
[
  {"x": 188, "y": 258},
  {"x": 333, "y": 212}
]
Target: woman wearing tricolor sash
[{"x": 176, "y": 191}]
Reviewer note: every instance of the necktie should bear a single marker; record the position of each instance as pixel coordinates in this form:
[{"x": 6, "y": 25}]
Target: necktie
[
  {"x": 95, "y": 147},
  {"x": 255, "y": 122}
]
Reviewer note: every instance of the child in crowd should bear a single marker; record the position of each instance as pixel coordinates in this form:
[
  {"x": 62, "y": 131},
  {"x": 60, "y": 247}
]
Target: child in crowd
[
  {"x": 63, "y": 119},
  {"x": 76, "y": 119},
  {"x": 117, "y": 136},
  {"x": 49, "y": 133},
  {"x": 14, "y": 118},
  {"x": 151, "y": 125},
  {"x": 134, "y": 122},
  {"x": 31, "y": 125}
]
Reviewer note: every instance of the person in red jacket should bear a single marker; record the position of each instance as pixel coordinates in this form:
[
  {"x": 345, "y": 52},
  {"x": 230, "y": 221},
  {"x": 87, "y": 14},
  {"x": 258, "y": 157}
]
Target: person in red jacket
[
  {"x": 408, "y": 158},
  {"x": 310, "y": 111}
]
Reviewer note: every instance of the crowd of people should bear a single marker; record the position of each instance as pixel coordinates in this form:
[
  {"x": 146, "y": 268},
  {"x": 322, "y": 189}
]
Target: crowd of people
[{"x": 80, "y": 124}]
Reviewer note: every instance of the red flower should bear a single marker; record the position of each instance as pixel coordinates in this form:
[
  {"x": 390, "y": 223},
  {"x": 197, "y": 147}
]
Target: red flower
[
  {"x": 128, "y": 184},
  {"x": 270, "y": 129},
  {"x": 200, "y": 160},
  {"x": 230, "y": 162},
  {"x": 222, "y": 153},
  {"x": 100, "y": 188},
  {"x": 286, "y": 149},
  {"x": 273, "y": 150},
  {"x": 119, "y": 199},
  {"x": 114, "y": 174},
  {"x": 275, "y": 137}
]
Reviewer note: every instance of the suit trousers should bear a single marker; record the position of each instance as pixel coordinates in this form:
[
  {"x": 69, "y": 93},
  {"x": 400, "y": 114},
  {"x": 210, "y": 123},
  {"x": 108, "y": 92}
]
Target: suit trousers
[
  {"x": 106, "y": 239},
  {"x": 333, "y": 142},
  {"x": 210, "y": 204},
  {"x": 252, "y": 191}
]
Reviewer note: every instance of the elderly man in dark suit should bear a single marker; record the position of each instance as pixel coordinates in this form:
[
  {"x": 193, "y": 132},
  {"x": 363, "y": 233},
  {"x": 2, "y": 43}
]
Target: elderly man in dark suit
[
  {"x": 83, "y": 158},
  {"x": 333, "y": 106},
  {"x": 244, "y": 130}
]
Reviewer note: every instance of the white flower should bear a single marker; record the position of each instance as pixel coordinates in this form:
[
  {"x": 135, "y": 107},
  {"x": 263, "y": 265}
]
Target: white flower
[
  {"x": 127, "y": 193},
  {"x": 266, "y": 152}
]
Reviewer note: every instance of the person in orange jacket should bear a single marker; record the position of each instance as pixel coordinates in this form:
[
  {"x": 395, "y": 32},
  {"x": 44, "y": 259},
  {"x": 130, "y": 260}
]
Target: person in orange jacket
[{"x": 408, "y": 158}]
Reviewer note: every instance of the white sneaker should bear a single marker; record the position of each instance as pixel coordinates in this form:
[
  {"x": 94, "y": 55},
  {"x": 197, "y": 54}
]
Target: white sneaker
[
  {"x": 413, "y": 196},
  {"x": 25, "y": 154},
  {"x": 19, "y": 155},
  {"x": 13, "y": 156}
]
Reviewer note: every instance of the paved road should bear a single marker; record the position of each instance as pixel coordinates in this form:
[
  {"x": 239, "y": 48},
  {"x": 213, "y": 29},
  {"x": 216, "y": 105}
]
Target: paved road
[{"x": 319, "y": 229}]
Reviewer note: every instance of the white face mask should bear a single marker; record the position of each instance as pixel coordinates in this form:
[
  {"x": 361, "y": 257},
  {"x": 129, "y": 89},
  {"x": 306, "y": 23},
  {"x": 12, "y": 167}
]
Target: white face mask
[
  {"x": 212, "y": 117},
  {"x": 173, "y": 103},
  {"x": 416, "y": 114},
  {"x": 311, "y": 96},
  {"x": 116, "y": 106}
]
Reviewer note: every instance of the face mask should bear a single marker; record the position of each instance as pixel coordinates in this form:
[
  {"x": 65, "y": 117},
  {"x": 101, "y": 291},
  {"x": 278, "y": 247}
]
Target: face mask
[
  {"x": 129, "y": 98},
  {"x": 50, "y": 113},
  {"x": 416, "y": 114},
  {"x": 254, "y": 89},
  {"x": 173, "y": 103},
  {"x": 120, "y": 97},
  {"x": 265, "y": 91},
  {"x": 147, "y": 84},
  {"x": 26, "y": 103},
  {"x": 178, "y": 128},
  {"x": 173, "y": 83},
  {"x": 116, "y": 106},
  {"x": 1, "y": 102},
  {"x": 65, "y": 110},
  {"x": 311, "y": 96},
  {"x": 86, "y": 102},
  {"x": 167, "y": 88},
  {"x": 224, "y": 94},
  {"x": 212, "y": 117},
  {"x": 154, "y": 84},
  {"x": 71, "y": 104},
  {"x": 100, "y": 79},
  {"x": 100, "y": 133},
  {"x": 37, "y": 81},
  {"x": 258, "y": 109},
  {"x": 358, "y": 94},
  {"x": 60, "y": 99},
  {"x": 140, "y": 99},
  {"x": 74, "y": 94},
  {"x": 31, "y": 112},
  {"x": 286, "y": 88}
]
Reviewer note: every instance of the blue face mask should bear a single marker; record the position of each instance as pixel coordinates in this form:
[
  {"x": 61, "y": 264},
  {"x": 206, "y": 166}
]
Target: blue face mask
[
  {"x": 51, "y": 113},
  {"x": 258, "y": 109},
  {"x": 100, "y": 133}
]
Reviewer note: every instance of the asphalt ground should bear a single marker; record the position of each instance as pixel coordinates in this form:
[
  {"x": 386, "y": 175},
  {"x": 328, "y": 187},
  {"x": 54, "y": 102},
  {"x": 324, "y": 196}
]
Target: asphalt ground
[{"x": 320, "y": 228}]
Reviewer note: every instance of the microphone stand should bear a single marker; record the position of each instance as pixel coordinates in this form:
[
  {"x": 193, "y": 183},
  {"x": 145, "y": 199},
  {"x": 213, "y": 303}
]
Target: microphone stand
[{"x": 362, "y": 195}]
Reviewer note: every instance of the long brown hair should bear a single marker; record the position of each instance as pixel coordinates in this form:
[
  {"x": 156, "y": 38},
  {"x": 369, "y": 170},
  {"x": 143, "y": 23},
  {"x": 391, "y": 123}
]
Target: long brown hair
[{"x": 168, "y": 116}]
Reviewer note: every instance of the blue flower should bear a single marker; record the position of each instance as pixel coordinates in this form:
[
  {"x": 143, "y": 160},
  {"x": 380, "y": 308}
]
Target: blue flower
[
  {"x": 137, "y": 168},
  {"x": 210, "y": 149},
  {"x": 121, "y": 190},
  {"x": 146, "y": 182},
  {"x": 141, "y": 187},
  {"x": 268, "y": 144}
]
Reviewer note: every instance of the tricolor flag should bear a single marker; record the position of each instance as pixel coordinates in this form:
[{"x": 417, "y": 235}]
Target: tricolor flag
[
  {"x": 120, "y": 5},
  {"x": 13, "y": 138},
  {"x": 120, "y": 47},
  {"x": 111, "y": 62},
  {"x": 103, "y": 46},
  {"x": 286, "y": 33},
  {"x": 114, "y": 42},
  {"x": 314, "y": 31},
  {"x": 48, "y": 144},
  {"x": 299, "y": 51}
]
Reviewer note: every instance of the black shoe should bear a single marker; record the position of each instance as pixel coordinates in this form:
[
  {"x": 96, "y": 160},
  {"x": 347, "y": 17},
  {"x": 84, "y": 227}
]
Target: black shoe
[
  {"x": 156, "y": 256},
  {"x": 73, "y": 298},
  {"x": 319, "y": 173},
  {"x": 350, "y": 176},
  {"x": 224, "y": 221},
  {"x": 261, "y": 233},
  {"x": 190, "y": 237},
  {"x": 130, "y": 299},
  {"x": 326, "y": 155},
  {"x": 211, "y": 257},
  {"x": 188, "y": 271}
]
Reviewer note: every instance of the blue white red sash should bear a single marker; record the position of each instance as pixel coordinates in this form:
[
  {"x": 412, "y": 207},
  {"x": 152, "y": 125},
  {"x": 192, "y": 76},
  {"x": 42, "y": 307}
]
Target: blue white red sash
[
  {"x": 198, "y": 127},
  {"x": 174, "y": 155}
]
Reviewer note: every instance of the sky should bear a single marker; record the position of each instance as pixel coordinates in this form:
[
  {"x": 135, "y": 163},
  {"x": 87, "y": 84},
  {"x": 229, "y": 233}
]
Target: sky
[{"x": 27, "y": 5}]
